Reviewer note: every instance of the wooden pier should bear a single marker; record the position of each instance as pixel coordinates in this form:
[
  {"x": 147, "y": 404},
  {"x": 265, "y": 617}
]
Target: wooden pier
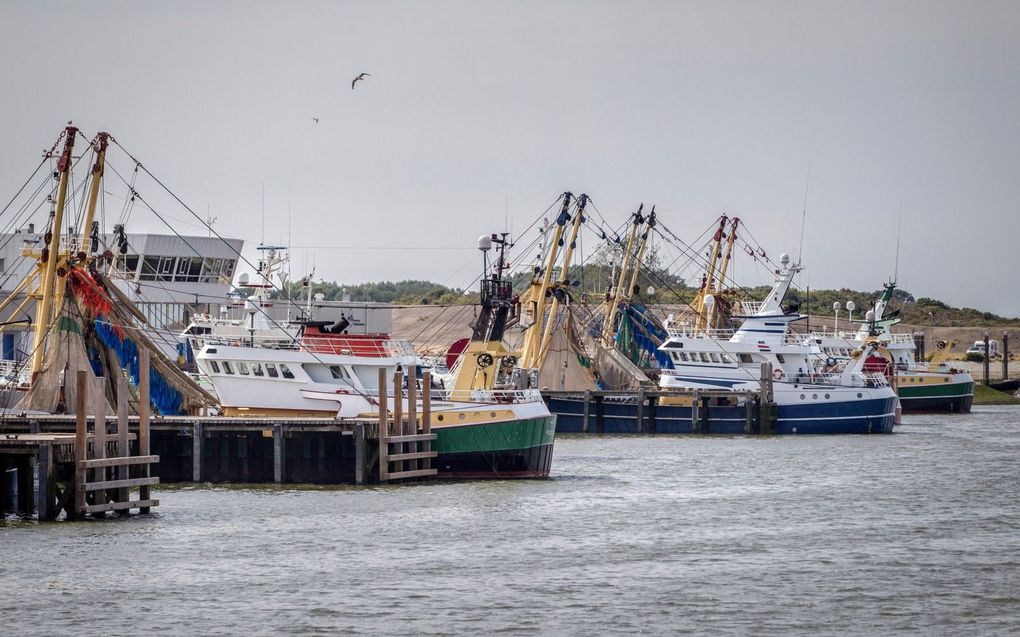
[{"x": 82, "y": 473}]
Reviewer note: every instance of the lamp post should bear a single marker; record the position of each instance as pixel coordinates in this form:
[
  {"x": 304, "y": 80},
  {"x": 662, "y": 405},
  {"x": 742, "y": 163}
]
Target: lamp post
[
  {"x": 986, "y": 357},
  {"x": 1005, "y": 355},
  {"x": 835, "y": 324}
]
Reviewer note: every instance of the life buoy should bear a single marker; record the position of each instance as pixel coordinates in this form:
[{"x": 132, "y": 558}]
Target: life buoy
[{"x": 778, "y": 375}]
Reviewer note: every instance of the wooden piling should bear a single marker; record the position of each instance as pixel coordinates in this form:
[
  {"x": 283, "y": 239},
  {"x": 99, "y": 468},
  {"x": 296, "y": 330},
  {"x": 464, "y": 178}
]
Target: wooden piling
[
  {"x": 412, "y": 416},
  {"x": 80, "y": 442},
  {"x": 653, "y": 406},
  {"x": 426, "y": 417},
  {"x": 278, "y": 454},
  {"x": 587, "y": 410},
  {"x": 696, "y": 413},
  {"x": 196, "y": 452},
  {"x": 47, "y": 494},
  {"x": 359, "y": 453},
  {"x": 384, "y": 433},
  {"x": 26, "y": 488},
  {"x": 123, "y": 443},
  {"x": 600, "y": 425},
  {"x": 640, "y": 411},
  {"x": 398, "y": 411},
  {"x": 143, "y": 421},
  {"x": 99, "y": 439}
]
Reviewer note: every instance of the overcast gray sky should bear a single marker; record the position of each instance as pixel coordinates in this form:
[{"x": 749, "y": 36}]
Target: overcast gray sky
[{"x": 697, "y": 107}]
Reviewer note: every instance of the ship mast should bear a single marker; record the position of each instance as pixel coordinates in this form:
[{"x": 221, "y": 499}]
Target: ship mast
[
  {"x": 614, "y": 296},
  {"x": 561, "y": 285},
  {"x": 52, "y": 249},
  {"x": 539, "y": 286}
]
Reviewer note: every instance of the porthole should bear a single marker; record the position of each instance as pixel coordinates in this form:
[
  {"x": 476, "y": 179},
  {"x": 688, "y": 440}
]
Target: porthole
[
  {"x": 439, "y": 417},
  {"x": 826, "y": 397},
  {"x": 492, "y": 414},
  {"x": 802, "y": 396},
  {"x": 860, "y": 395},
  {"x": 945, "y": 380},
  {"x": 462, "y": 415},
  {"x": 814, "y": 396}
]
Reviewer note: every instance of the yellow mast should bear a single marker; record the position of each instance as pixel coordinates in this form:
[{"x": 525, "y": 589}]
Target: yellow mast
[
  {"x": 611, "y": 305},
  {"x": 102, "y": 141},
  {"x": 539, "y": 288},
  {"x": 568, "y": 255},
  {"x": 702, "y": 320},
  {"x": 640, "y": 255},
  {"x": 720, "y": 281},
  {"x": 42, "y": 315}
]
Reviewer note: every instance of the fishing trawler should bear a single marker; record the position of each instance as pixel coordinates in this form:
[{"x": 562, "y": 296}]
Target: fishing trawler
[
  {"x": 487, "y": 426},
  {"x": 849, "y": 400},
  {"x": 934, "y": 386}
]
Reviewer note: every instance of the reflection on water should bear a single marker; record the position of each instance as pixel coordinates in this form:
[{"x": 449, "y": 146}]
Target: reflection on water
[{"x": 861, "y": 535}]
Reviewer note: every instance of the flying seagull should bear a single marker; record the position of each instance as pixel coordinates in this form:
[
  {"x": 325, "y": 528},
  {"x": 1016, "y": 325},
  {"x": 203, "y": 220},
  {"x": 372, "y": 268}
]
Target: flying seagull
[
  {"x": 315, "y": 119},
  {"x": 360, "y": 77}
]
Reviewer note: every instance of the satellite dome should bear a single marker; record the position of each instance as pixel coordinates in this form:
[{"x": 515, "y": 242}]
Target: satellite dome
[
  {"x": 485, "y": 243},
  {"x": 784, "y": 259}
]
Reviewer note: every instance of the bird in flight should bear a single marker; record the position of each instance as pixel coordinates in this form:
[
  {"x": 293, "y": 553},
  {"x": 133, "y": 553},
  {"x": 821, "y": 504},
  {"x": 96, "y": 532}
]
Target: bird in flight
[
  {"x": 359, "y": 78},
  {"x": 315, "y": 119}
]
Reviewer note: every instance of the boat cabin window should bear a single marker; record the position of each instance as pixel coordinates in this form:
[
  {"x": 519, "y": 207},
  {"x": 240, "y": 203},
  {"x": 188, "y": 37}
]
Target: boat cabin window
[
  {"x": 745, "y": 358},
  {"x": 242, "y": 368},
  {"x": 286, "y": 371},
  {"x": 227, "y": 369},
  {"x": 780, "y": 358},
  {"x": 715, "y": 357},
  {"x": 215, "y": 367},
  {"x": 704, "y": 357},
  {"x": 334, "y": 371},
  {"x": 256, "y": 368},
  {"x": 271, "y": 370},
  {"x": 726, "y": 358}
]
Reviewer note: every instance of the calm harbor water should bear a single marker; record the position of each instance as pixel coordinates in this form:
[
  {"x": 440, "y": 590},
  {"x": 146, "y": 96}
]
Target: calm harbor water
[{"x": 916, "y": 532}]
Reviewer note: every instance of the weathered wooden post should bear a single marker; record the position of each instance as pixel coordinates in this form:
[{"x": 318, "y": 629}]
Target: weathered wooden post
[
  {"x": 143, "y": 422},
  {"x": 586, "y": 410},
  {"x": 278, "y": 453},
  {"x": 640, "y": 412},
  {"x": 398, "y": 411},
  {"x": 600, "y": 423},
  {"x": 196, "y": 452},
  {"x": 123, "y": 444},
  {"x": 412, "y": 415},
  {"x": 99, "y": 440},
  {"x": 696, "y": 412},
  {"x": 80, "y": 442},
  {"x": 46, "y": 497},
  {"x": 359, "y": 453},
  {"x": 426, "y": 415},
  {"x": 384, "y": 445}
]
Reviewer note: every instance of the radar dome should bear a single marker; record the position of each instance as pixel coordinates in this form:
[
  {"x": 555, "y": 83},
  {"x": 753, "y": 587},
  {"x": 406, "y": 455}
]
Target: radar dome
[
  {"x": 784, "y": 259},
  {"x": 485, "y": 243}
]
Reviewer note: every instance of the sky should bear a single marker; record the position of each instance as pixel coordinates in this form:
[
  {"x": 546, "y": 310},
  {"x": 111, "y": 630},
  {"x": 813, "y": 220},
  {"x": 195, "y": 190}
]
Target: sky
[{"x": 479, "y": 112}]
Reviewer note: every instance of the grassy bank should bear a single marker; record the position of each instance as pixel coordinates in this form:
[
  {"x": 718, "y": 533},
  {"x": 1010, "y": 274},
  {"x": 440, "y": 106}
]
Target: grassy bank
[{"x": 984, "y": 395}]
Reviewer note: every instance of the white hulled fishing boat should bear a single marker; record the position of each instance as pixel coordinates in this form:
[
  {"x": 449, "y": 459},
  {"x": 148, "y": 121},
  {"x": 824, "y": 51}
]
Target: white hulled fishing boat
[{"x": 848, "y": 399}]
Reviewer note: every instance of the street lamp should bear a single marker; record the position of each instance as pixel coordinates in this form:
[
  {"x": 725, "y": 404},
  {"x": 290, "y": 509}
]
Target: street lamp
[{"x": 835, "y": 324}]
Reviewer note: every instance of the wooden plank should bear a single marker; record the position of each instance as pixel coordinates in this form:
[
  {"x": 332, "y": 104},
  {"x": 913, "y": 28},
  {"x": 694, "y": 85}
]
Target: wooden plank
[
  {"x": 412, "y": 438},
  {"x": 115, "y": 462},
  {"x": 420, "y": 473},
  {"x": 143, "y": 418},
  {"x": 413, "y": 455},
  {"x": 121, "y": 506},
  {"x": 196, "y": 452},
  {"x": 122, "y": 484},
  {"x": 80, "y": 440}
]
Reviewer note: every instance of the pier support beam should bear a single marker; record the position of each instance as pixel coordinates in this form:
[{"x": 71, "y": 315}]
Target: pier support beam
[
  {"x": 278, "y": 454},
  {"x": 196, "y": 453},
  {"x": 360, "y": 454},
  {"x": 587, "y": 410},
  {"x": 640, "y": 412},
  {"x": 46, "y": 498},
  {"x": 26, "y": 488}
]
